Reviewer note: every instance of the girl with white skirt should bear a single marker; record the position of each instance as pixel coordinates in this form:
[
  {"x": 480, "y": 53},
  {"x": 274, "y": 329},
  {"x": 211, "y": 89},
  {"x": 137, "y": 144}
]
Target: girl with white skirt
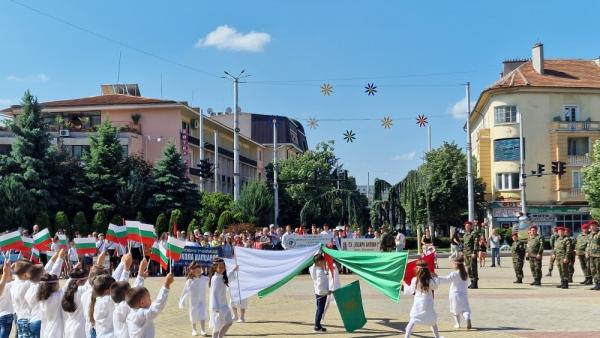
[
  {"x": 422, "y": 311},
  {"x": 220, "y": 313},
  {"x": 458, "y": 299},
  {"x": 195, "y": 289}
]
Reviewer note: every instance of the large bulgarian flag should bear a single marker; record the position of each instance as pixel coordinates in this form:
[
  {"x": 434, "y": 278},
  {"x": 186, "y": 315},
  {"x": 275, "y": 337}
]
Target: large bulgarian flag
[
  {"x": 11, "y": 241},
  {"x": 174, "y": 248},
  {"x": 133, "y": 231},
  {"x": 42, "y": 240},
  {"x": 159, "y": 255},
  {"x": 85, "y": 246},
  {"x": 117, "y": 234}
]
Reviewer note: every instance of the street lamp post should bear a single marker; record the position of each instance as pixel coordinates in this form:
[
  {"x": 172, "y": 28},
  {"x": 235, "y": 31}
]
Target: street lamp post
[
  {"x": 470, "y": 192},
  {"x": 275, "y": 185}
]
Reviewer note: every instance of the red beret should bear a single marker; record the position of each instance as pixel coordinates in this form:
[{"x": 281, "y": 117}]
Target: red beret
[
  {"x": 515, "y": 234},
  {"x": 592, "y": 222},
  {"x": 559, "y": 228},
  {"x": 533, "y": 227},
  {"x": 585, "y": 225},
  {"x": 468, "y": 222}
]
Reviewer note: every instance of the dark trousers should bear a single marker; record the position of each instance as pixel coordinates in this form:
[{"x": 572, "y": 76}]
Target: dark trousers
[
  {"x": 23, "y": 328},
  {"x": 321, "y": 300},
  {"x": 6, "y": 325},
  {"x": 35, "y": 328}
]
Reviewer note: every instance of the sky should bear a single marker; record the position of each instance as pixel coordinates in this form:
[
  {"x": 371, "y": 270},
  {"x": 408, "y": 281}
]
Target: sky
[{"x": 419, "y": 54}]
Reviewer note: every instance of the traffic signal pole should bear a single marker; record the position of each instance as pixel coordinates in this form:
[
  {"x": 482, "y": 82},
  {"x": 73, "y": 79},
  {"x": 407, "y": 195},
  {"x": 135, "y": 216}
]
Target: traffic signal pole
[{"x": 522, "y": 165}]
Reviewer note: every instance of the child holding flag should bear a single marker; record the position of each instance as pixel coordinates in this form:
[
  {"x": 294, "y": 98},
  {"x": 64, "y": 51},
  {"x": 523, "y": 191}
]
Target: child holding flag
[
  {"x": 140, "y": 321},
  {"x": 459, "y": 302},
  {"x": 195, "y": 288},
  {"x": 220, "y": 313},
  {"x": 422, "y": 311}
]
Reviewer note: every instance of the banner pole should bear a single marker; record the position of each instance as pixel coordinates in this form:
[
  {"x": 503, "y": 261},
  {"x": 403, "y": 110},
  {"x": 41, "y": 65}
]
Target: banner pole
[{"x": 237, "y": 272}]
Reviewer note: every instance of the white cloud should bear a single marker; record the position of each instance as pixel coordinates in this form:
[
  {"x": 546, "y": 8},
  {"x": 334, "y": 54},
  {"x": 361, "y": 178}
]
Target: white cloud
[
  {"x": 228, "y": 38},
  {"x": 405, "y": 157},
  {"x": 459, "y": 109},
  {"x": 41, "y": 77}
]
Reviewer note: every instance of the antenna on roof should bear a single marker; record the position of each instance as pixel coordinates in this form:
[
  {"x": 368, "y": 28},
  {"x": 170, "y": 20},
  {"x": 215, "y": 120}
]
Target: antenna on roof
[{"x": 119, "y": 68}]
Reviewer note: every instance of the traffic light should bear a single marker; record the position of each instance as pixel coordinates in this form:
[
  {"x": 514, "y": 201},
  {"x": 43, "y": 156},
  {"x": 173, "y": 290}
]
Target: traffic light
[
  {"x": 555, "y": 167},
  {"x": 540, "y": 169},
  {"x": 561, "y": 169}
]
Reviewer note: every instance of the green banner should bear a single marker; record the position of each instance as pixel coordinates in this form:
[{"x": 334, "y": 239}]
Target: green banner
[
  {"x": 349, "y": 303},
  {"x": 383, "y": 270}
]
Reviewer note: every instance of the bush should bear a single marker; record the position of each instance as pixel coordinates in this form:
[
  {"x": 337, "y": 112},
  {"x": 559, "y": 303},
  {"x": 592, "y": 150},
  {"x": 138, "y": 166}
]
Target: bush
[
  {"x": 80, "y": 223},
  {"x": 116, "y": 219},
  {"x": 161, "y": 224},
  {"x": 61, "y": 221},
  {"x": 193, "y": 226},
  {"x": 175, "y": 219},
  {"x": 225, "y": 220},
  {"x": 43, "y": 221},
  {"x": 210, "y": 223},
  {"x": 99, "y": 223}
]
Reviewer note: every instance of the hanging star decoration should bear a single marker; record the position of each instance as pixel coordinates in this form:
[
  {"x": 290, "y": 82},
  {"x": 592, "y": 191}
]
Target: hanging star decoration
[
  {"x": 387, "y": 122},
  {"x": 349, "y": 136},
  {"x": 371, "y": 89},
  {"x": 422, "y": 120},
  {"x": 312, "y": 123},
  {"x": 326, "y": 89}
]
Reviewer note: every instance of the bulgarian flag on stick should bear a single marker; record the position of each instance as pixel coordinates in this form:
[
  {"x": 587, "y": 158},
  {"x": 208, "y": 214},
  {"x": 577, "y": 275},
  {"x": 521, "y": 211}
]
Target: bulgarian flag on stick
[
  {"x": 85, "y": 246},
  {"x": 159, "y": 255},
  {"x": 117, "y": 234},
  {"x": 27, "y": 245},
  {"x": 147, "y": 234},
  {"x": 62, "y": 242},
  {"x": 11, "y": 241},
  {"x": 42, "y": 240},
  {"x": 174, "y": 248},
  {"x": 133, "y": 231},
  {"x": 35, "y": 256}
]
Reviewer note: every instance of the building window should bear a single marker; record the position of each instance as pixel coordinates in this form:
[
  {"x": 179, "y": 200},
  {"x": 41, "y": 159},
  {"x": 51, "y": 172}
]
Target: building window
[
  {"x": 507, "y": 181},
  {"x": 505, "y": 114},
  {"x": 572, "y": 221},
  {"x": 578, "y": 146},
  {"x": 507, "y": 149},
  {"x": 571, "y": 113},
  {"x": 260, "y": 155},
  {"x": 5, "y": 149},
  {"x": 77, "y": 151},
  {"x": 577, "y": 180},
  {"x": 125, "y": 151}
]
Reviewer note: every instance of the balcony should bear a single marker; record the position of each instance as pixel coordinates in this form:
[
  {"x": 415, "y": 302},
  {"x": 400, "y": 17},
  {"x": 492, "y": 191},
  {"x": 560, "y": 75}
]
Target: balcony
[
  {"x": 123, "y": 126},
  {"x": 579, "y": 160},
  {"x": 576, "y": 126},
  {"x": 572, "y": 195}
]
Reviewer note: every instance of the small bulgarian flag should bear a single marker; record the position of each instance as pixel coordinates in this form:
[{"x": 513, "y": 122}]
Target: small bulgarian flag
[
  {"x": 42, "y": 240},
  {"x": 27, "y": 245},
  {"x": 133, "y": 231},
  {"x": 85, "y": 246},
  {"x": 10, "y": 241},
  {"x": 35, "y": 256},
  {"x": 62, "y": 242},
  {"x": 155, "y": 253},
  {"x": 174, "y": 248},
  {"x": 117, "y": 234},
  {"x": 147, "y": 234},
  {"x": 159, "y": 255}
]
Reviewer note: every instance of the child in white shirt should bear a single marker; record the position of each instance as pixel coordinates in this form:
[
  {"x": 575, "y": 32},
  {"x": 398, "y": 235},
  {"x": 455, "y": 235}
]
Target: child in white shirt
[
  {"x": 6, "y": 308},
  {"x": 320, "y": 279},
  {"x": 18, "y": 290},
  {"x": 140, "y": 321},
  {"x": 195, "y": 288},
  {"x": 220, "y": 313},
  {"x": 118, "y": 292}
]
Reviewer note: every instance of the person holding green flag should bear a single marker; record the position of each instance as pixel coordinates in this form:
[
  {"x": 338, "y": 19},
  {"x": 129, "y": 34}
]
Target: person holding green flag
[{"x": 320, "y": 279}]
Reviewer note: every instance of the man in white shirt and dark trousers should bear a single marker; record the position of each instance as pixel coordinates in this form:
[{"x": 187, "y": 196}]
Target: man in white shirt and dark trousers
[{"x": 318, "y": 273}]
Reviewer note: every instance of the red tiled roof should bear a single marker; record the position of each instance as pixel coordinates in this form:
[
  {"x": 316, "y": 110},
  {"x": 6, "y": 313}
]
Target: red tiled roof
[
  {"x": 102, "y": 100},
  {"x": 557, "y": 73}
]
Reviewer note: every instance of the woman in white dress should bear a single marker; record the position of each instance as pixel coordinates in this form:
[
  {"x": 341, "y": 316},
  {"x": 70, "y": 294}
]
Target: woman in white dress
[
  {"x": 195, "y": 289},
  {"x": 422, "y": 311},
  {"x": 220, "y": 313},
  {"x": 458, "y": 299}
]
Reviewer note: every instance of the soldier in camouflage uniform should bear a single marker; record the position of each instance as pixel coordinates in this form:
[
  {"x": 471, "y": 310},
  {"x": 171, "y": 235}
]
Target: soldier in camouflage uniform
[
  {"x": 580, "y": 251},
  {"x": 552, "y": 239},
  {"x": 593, "y": 251},
  {"x": 518, "y": 257},
  {"x": 470, "y": 241},
  {"x": 535, "y": 249},
  {"x": 571, "y": 254},
  {"x": 562, "y": 250}
]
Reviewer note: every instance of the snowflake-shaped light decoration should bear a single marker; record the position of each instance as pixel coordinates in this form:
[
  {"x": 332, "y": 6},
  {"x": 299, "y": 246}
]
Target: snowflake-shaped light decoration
[
  {"x": 387, "y": 122},
  {"x": 326, "y": 89},
  {"x": 312, "y": 123},
  {"x": 371, "y": 89},
  {"x": 349, "y": 136},
  {"x": 422, "y": 120}
]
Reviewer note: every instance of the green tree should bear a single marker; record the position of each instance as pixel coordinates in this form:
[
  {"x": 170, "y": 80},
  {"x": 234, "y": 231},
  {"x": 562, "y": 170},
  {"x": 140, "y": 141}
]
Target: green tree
[
  {"x": 15, "y": 202},
  {"x": 176, "y": 218},
  {"x": 43, "y": 220},
  {"x": 226, "y": 219},
  {"x": 103, "y": 167},
  {"x": 161, "y": 224},
  {"x": 139, "y": 216},
  {"x": 172, "y": 188},
  {"x": 61, "y": 221},
  {"x": 213, "y": 203},
  {"x": 116, "y": 219},
  {"x": 193, "y": 226},
  {"x": 591, "y": 182},
  {"x": 80, "y": 223},
  {"x": 99, "y": 224},
  {"x": 255, "y": 204},
  {"x": 210, "y": 223}
]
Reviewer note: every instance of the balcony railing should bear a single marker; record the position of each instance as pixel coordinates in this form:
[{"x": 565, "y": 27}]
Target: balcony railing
[
  {"x": 576, "y": 126},
  {"x": 573, "y": 194},
  {"x": 579, "y": 160}
]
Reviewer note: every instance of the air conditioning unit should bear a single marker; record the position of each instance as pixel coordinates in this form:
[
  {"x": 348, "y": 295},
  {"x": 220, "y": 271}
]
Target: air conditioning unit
[
  {"x": 64, "y": 133},
  {"x": 195, "y": 123}
]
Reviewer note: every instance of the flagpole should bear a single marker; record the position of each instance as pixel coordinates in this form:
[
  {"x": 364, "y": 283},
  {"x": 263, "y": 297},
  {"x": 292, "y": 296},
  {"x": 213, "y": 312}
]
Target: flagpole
[
  {"x": 170, "y": 265},
  {"x": 237, "y": 272}
]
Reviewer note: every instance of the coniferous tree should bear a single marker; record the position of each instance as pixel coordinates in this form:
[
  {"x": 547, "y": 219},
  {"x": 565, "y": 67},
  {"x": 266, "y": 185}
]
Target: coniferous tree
[
  {"x": 15, "y": 203},
  {"x": 43, "y": 220},
  {"x": 116, "y": 219},
  {"x": 176, "y": 218},
  {"x": 99, "y": 224},
  {"x": 172, "y": 188},
  {"x": 255, "y": 204},
  {"x": 193, "y": 226},
  {"x": 161, "y": 224},
  {"x": 80, "y": 223},
  {"x": 61, "y": 221},
  {"x": 226, "y": 219}
]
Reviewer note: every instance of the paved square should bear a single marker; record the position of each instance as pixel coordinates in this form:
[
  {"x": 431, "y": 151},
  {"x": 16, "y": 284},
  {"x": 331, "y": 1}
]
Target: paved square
[{"x": 500, "y": 309}]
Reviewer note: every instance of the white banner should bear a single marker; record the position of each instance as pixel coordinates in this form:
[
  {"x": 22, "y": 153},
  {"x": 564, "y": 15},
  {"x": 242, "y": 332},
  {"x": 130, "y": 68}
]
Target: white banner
[
  {"x": 361, "y": 244},
  {"x": 301, "y": 241}
]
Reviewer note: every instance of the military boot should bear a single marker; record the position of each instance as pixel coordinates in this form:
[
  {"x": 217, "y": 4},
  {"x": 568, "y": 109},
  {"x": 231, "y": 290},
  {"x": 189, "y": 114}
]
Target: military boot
[
  {"x": 549, "y": 274},
  {"x": 560, "y": 286},
  {"x": 596, "y": 287},
  {"x": 589, "y": 281},
  {"x": 584, "y": 282},
  {"x": 565, "y": 284},
  {"x": 518, "y": 281},
  {"x": 538, "y": 282},
  {"x": 532, "y": 283}
]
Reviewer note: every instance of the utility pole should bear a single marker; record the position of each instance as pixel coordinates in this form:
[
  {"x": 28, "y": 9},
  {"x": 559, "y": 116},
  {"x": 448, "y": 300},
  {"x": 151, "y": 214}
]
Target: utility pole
[
  {"x": 201, "y": 144},
  {"x": 470, "y": 193},
  {"x": 275, "y": 185},
  {"x": 522, "y": 164},
  {"x": 236, "y": 134},
  {"x": 216, "y": 152}
]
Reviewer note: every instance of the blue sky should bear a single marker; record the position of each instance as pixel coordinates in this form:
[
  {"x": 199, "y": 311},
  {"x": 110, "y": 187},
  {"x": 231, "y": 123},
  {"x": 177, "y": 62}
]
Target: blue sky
[{"x": 417, "y": 53}]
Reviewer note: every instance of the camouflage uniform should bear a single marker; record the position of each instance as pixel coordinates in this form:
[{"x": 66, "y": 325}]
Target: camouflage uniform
[
  {"x": 580, "y": 251},
  {"x": 552, "y": 240},
  {"x": 470, "y": 250},
  {"x": 594, "y": 253},
  {"x": 518, "y": 257},
  {"x": 535, "y": 246},
  {"x": 571, "y": 257},
  {"x": 562, "y": 250}
]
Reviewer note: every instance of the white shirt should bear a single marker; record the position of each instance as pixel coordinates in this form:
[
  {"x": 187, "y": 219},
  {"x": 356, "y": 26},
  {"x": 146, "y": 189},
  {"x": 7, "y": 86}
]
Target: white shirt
[
  {"x": 122, "y": 310},
  {"x": 103, "y": 316},
  {"x": 6, "y": 307},
  {"x": 400, "y": 241},
  {"x": 140, "y": 322},
  {"x": 52, "y": 320},
  {"x": 494, "y": 242},
  {"x": 75, "y": 321},
  {"x": 17, "y": 291},
  {"x": 218, "y": 299},
  {"x": 35, "y": 314},
  {"x": 320, "y": 280},
  {"x": 73, "y": 257},
  {"x": 195, "y": 289}
]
